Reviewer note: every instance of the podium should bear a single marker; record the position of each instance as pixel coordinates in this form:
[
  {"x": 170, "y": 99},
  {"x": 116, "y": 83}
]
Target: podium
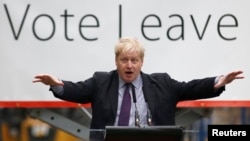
[{"x": 148, "y": 133}]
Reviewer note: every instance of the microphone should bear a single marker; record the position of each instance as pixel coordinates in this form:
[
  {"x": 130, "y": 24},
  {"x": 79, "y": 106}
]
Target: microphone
[
  {"x": 149, "y": 115},
  {"x": 137, "y": 117}
]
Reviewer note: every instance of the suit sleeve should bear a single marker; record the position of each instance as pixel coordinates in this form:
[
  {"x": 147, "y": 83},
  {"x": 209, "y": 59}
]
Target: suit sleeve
[
  {"x": 198, "y": 89},
  {"x": 79, "y": 92}
]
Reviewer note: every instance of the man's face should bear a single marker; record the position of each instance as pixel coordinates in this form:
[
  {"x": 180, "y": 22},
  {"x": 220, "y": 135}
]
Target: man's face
[{"x": 129, "y": 65}]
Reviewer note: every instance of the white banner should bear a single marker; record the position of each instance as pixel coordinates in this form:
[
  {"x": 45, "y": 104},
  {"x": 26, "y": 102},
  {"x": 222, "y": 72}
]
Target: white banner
[{"x": 72, "y": 39}]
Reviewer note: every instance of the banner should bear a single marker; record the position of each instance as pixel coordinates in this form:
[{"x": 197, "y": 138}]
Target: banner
[{"x": 187, "y": 39}]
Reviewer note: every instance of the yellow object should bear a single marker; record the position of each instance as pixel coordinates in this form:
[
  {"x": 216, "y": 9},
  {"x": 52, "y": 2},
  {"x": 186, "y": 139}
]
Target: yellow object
[{"x": 35, "y": 128}]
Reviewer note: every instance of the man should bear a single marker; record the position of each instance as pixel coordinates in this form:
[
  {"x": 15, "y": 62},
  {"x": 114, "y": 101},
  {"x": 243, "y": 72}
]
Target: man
[{"x": 156, "y": 92}]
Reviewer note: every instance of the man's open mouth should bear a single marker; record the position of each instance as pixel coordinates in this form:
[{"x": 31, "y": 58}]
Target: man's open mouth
[{"x": 128, "y": 72}]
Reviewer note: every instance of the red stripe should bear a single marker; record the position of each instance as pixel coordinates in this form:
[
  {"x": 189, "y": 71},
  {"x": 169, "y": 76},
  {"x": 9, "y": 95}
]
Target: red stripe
[
  {"x": 41, "y": 104},
  {"x": 215, "y": 103},
  {"x": 63, "y": 104}
]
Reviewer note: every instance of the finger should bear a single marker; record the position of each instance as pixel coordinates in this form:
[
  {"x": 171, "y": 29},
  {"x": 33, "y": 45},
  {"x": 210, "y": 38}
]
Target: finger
[
  {"x": 238, "y": 72},
  {"x": 239, "y": 77},
  {"x": 37, "y": 80}
]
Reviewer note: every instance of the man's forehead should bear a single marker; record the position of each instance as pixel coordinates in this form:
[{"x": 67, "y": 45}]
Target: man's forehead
[{"x": 130, "y": 54}]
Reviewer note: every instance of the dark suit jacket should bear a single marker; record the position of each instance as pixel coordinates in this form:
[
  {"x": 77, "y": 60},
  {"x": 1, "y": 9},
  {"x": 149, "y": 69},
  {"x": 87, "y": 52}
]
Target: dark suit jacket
[{"x": 160, "y": 90}]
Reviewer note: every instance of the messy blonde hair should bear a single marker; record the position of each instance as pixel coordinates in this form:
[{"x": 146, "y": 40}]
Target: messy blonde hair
[{"x": 126, "y": 44}]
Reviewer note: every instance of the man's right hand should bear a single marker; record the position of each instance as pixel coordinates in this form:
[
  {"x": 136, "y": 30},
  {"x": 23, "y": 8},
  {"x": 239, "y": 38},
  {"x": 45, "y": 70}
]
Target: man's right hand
[{"x": 48, "y": 80}]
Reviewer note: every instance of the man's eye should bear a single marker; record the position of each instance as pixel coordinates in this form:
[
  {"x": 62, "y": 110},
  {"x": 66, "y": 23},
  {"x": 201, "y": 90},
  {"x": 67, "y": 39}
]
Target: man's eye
[
  {"x": 124, "y": 60},
  {"x": 134, "y": 61}
]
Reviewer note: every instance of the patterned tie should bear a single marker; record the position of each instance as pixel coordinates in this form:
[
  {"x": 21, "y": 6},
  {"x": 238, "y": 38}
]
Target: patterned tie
[{"x": 125, "y": 107}]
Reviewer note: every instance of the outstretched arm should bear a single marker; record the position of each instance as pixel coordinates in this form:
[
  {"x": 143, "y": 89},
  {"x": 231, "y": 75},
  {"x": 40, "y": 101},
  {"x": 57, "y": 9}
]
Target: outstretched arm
[
  {"x": 48, "y": 80},
  {"x": 226, "y": 79}
]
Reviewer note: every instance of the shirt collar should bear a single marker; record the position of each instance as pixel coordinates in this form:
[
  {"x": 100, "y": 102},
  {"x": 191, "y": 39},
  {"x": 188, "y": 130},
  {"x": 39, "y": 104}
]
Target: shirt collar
[{"x": 137, "y": 82}]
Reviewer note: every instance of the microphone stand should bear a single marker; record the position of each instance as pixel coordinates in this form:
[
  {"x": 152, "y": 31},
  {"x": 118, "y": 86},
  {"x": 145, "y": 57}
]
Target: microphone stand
[{"x": 137, "y": 117}]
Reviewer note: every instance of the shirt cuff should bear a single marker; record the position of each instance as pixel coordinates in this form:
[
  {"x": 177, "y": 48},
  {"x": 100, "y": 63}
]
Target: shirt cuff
[{"x": 58, "y": 90}]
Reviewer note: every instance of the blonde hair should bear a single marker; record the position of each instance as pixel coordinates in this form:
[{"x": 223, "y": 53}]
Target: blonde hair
[{"x": 126, "y": 44}]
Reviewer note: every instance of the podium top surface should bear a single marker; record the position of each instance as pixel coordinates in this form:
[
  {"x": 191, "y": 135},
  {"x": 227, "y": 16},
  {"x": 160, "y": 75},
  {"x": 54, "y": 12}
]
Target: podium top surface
[{"x": 148, "y": 133}]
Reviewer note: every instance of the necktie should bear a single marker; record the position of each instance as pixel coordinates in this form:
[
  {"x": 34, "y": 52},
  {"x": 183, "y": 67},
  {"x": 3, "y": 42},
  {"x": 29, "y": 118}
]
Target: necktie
[{"x": 125, "y": 108}]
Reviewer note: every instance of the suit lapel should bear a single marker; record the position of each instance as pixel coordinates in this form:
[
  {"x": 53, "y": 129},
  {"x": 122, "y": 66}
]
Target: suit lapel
[
  {"x": 113, "y": 92},
  {"x": 149, "y": 91}
]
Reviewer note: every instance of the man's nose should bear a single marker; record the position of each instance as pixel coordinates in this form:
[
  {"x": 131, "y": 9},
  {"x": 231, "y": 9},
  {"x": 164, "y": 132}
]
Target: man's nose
[{"x": 129, "y": 63}]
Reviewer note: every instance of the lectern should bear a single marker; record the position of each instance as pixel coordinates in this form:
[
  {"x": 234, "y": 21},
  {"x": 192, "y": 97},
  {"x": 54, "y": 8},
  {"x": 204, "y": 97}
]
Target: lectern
[{"x": 148, "y": 133}]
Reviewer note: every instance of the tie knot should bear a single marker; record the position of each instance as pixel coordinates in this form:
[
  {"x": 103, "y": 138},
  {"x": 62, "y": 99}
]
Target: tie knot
[{"x": 128, "y": 85}]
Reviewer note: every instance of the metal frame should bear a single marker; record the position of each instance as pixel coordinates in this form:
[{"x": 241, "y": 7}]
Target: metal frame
[{"x": 62, "y": 122}]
